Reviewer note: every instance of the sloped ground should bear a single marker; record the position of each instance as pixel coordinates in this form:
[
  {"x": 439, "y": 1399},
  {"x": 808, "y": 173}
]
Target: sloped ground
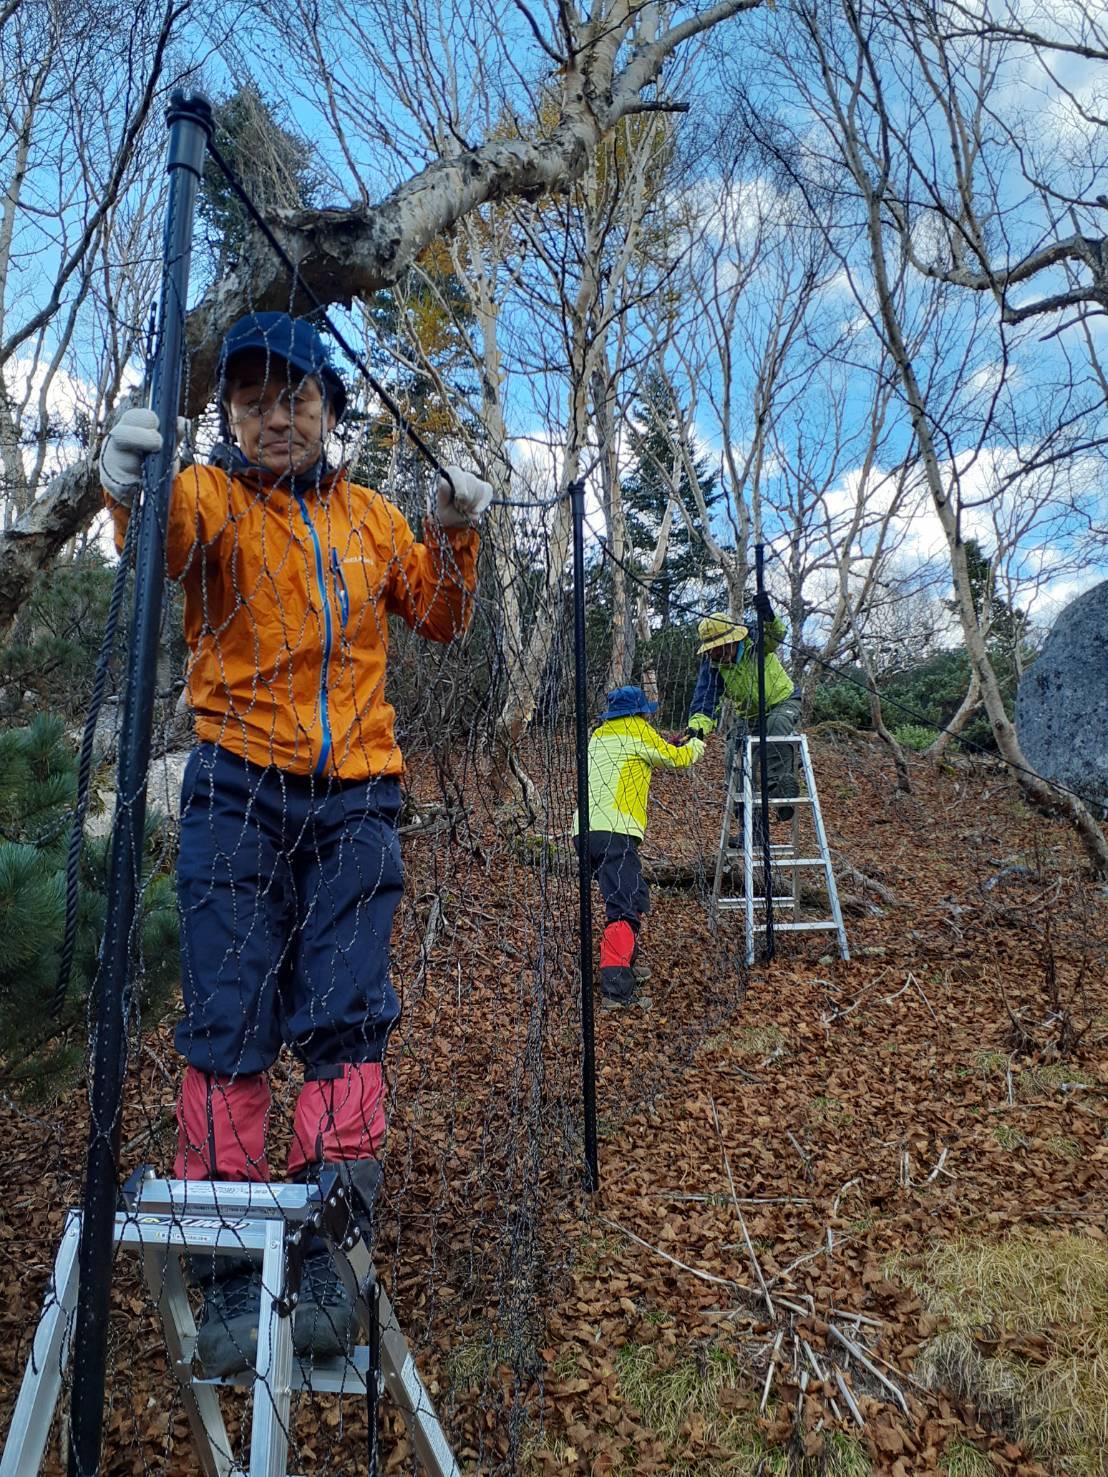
[
  {"x": 821, "y": 1126},
  {"x": 877, "y": 1102}
]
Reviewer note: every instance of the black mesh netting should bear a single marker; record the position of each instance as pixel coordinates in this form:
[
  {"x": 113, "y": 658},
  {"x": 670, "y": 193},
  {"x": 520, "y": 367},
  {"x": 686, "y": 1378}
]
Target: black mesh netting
[{"x": 324, "y": 860}]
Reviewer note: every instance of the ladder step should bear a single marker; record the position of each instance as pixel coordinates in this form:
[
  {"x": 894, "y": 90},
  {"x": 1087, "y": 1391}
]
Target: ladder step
[
  {"x": 782, "y": 800},
  {"x": 796, "y": 861},
  {"x": 323, "y": 1376},
  {"x": 226, "y": 1199},
  {"x": 230, "y": 1218},
  {"x": 784, "y": 901},
  {"x": 798, "y": 927}
]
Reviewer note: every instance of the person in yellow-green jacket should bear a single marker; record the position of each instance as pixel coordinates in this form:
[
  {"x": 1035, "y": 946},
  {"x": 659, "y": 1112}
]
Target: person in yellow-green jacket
[
  {"x": 623, "y": 753},
  {"x": 729, "y": 668}
]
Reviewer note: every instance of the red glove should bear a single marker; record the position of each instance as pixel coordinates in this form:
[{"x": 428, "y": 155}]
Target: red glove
[{"x": 676, "y": 738}]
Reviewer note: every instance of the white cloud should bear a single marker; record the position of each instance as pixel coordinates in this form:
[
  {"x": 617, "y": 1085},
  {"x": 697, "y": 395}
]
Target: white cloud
[
  {"x": 1047, "y": 604},
  {"x": 67, "y": 396}
]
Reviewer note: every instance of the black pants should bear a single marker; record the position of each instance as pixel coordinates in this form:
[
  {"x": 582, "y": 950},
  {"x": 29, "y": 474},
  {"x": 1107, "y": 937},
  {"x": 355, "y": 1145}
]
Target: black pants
[{"x": 615, "y": 865}]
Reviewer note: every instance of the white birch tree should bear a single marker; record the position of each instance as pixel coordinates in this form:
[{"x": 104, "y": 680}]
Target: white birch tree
[{"x": 865, "y": 130}]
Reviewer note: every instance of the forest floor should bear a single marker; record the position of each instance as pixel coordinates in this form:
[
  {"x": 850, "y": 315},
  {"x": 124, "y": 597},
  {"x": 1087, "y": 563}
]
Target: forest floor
[{"x": 908, "y": 1152}]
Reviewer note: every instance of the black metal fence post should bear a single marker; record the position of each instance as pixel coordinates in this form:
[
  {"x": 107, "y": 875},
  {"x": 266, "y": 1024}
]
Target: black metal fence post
[
  {"x": 763, "y": 753},
  {"x": 584, "y": 873},
  {"x": 189, "y": 120}
]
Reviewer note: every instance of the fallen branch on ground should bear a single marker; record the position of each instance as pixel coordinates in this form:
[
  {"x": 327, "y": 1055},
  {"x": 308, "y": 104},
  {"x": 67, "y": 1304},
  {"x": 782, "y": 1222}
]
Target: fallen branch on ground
[
  {"x": 676, "y": 1262},
  {"x": 846, "y": 872}
]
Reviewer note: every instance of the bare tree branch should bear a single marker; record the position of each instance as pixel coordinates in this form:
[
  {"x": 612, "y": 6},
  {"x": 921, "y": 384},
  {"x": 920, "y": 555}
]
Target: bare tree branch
[{"x": 348, "y": 253}]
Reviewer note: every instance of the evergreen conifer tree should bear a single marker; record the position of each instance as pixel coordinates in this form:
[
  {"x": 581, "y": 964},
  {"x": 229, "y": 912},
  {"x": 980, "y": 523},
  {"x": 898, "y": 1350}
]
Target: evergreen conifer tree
[
  {"x": 38, "y": 1052},
  {"x": 276, "y": 166},
  {"x": 52, "y": 649},
  {"x": 1008, "y": 626},
  {"x": 647, "y": 490}
]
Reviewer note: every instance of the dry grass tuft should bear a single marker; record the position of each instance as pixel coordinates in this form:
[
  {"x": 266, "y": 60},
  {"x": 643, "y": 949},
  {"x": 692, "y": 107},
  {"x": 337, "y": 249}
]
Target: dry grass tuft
[
  {"x": 963, "y": 1459},
  {"x": 666, "y": 1395},
  {"x": 669, "y": 1397},
  {"x": 1027, "y": 1340}
]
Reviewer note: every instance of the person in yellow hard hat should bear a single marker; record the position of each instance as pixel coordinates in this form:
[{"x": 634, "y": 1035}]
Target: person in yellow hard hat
[{"x": 729, "y": 668}]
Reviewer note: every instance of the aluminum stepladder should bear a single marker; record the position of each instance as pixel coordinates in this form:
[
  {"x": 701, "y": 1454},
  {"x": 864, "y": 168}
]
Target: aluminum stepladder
[
  {"x": 784, "y": 856},
  {"x": 162, "y": 1219}
]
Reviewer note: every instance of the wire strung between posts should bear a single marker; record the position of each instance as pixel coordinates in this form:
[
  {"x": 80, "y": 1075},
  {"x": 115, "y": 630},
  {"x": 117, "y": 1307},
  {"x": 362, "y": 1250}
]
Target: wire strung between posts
[
  {"x": 371, "y": 379},
  {"x": 513, "y": 1148},
  {"x": 88, "y": 737},
  {"x": 845, "y": 676}
]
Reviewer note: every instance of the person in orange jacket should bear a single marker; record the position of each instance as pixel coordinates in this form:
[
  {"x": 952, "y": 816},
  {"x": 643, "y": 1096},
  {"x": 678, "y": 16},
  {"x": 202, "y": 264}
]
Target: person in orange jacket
[{"x": 289, "y": 870}]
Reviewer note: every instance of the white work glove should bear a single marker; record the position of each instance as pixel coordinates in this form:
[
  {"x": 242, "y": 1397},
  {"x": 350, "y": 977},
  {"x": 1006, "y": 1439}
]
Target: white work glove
[
  {"x": 471, "y": 498},
  {"x": 697, "y": 746},
  {"x": 133, "y": 438}
]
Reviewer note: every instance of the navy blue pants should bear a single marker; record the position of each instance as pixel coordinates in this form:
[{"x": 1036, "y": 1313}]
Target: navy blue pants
[
  {"x": 287, "y": 888},
  {"x": 615, "y": 864}
]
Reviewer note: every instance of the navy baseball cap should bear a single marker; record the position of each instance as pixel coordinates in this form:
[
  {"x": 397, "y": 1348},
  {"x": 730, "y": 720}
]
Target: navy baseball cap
[
  {"x": 626, "y": 702},
  {"x": 295, "y": 340}
]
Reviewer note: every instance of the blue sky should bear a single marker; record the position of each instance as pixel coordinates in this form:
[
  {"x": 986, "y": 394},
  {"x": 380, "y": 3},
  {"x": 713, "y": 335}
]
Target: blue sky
[{"x": 536, "y": 404}]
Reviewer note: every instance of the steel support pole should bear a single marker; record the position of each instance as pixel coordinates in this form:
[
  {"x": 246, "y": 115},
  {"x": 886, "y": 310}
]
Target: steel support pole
[
  {"x": 584, "y": 871},
  {"x": 763, "y": 753},
  {"x": 189, "y": 119}
]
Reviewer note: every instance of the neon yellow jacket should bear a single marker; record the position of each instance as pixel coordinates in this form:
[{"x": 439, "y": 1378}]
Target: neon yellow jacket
[
  {"x": 739, "y": 680},
  {"x": 622, "y": 755}
]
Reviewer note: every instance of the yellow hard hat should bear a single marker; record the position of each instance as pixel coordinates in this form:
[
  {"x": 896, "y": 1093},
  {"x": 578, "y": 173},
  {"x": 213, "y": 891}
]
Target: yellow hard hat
[{"x": 719, "y": 630}]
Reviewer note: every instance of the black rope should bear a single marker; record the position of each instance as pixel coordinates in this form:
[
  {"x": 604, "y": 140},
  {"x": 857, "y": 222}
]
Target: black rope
[
  {"x": 371, "y": 379},
  {"x": 846, "y": 676},
  {"x": 84, "y": 775}
]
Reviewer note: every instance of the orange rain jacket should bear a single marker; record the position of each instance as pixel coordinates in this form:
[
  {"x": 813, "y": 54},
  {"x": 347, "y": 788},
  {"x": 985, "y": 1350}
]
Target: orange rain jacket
[{"x": 286, "y": 603}]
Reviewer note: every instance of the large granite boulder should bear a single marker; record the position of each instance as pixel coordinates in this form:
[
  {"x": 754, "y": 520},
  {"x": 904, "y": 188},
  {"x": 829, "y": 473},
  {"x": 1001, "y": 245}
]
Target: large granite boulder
[{"x": 1062, "y": 705}]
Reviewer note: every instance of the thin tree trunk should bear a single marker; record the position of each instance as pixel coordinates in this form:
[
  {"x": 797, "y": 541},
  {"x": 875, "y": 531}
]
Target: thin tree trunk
[
  {"x": 967, "y": 708},
  {"x": 527, "y": 660},
  {"x": 622, "y": 651},
  {"x": 877, "y": 718},
  {"x": 1044, "y": 796},
  {"x": 508, "y": 773}
]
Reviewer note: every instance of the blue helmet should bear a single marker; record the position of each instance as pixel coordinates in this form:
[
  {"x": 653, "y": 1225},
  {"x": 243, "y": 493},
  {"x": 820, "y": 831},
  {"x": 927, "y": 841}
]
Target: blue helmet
[
  {"x": 627, "y": 702},
  {"x": 295, "y": 340}
]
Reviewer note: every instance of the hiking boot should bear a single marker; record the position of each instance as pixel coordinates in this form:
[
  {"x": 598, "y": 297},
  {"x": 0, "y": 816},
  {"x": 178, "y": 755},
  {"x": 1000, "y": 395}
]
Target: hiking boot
[
  {"x": 227, "y": 1338},
  {"x": 618, "y": 986},
  {"x": 323, "y": 1323},
  {"x": 639, "y": 967},
  {"x": 617, "y": 1002},
  {"x": 785, "y": 812}
]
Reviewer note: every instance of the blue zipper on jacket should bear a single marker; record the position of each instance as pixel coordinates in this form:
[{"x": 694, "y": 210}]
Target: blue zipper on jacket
[
  {"x": 328, "y": 635},
  {"x": 339, "y": 581}
]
